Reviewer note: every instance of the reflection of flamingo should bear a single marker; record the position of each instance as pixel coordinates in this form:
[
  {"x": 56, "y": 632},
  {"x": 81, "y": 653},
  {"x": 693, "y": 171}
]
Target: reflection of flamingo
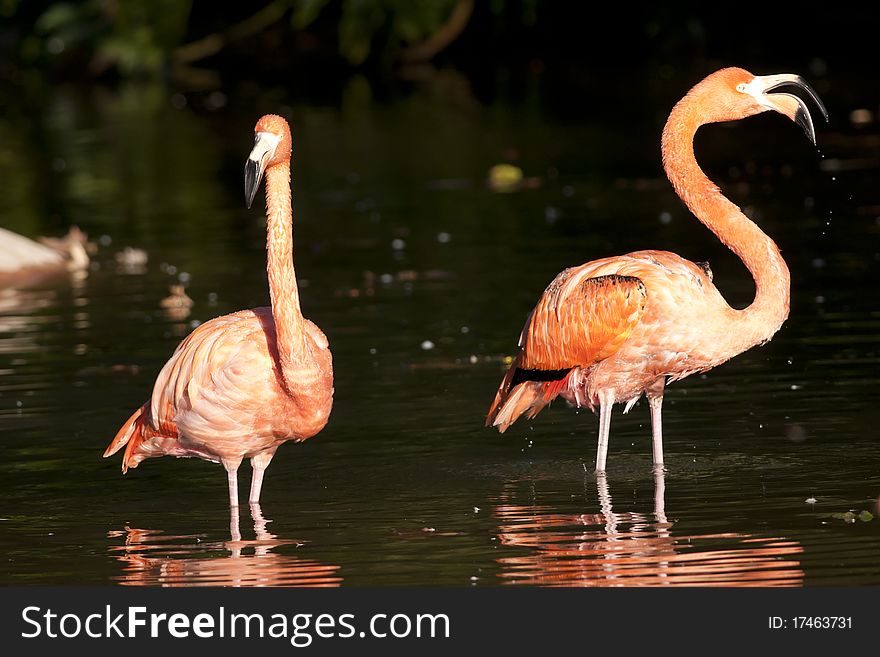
[
  {"x": 607, "y": 331},
  {"x": 20, "y": 314},
  {"x": 633, "y": 549},
  {"x": 152, "y": 558},
  {"x": 242, "y": 384}
]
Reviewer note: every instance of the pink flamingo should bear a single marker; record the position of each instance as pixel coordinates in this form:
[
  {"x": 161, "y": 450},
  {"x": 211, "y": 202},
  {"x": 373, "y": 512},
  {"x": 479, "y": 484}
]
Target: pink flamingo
[
  {"x": 242, "y": 384},
  {"x": 612, "y": 329}
]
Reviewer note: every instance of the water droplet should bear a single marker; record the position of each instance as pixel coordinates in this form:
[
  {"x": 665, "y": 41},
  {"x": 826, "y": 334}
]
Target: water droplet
[
  {"x": 444, "y": 238},
  {"x": 427, "y": 345},
  {"x": 398, "y": 244}
]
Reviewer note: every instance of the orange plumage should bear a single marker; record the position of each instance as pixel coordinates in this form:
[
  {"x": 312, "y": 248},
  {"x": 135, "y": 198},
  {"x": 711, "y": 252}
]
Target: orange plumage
[{"x": 610, "y": 330}]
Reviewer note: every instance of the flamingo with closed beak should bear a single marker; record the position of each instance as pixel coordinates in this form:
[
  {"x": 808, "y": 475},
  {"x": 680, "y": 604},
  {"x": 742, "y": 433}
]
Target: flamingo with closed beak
[{"x": 242, "y": 384}]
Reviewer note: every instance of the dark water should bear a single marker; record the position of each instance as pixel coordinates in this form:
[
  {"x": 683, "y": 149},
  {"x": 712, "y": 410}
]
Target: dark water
[{"x": 400, "y": 247}]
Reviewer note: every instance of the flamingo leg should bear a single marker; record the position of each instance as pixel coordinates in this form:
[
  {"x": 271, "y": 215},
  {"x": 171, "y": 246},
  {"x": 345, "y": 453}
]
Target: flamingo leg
[
  {"x": 606, "y": 403},
  {"x": 231, "y": 466},
  {"x": 259, "y": 463},
  {"x": 655, "y": 403}
]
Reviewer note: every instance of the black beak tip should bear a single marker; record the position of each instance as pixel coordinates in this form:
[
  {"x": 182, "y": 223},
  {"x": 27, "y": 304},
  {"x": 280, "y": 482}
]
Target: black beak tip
[
  {"x": 812, "y": 94},
  {"x": 802, "y": 118},
  {"x": 250, "y": 182}
]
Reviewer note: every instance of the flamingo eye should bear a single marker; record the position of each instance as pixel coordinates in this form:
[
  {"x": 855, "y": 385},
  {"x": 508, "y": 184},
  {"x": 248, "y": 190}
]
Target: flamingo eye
[{"x": 741, "y": 87}]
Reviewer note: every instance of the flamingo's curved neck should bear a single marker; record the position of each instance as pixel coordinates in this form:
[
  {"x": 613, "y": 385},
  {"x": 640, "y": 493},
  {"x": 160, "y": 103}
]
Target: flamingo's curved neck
[
  {"x": 757, "y": 251},
  {"x": 283, "y": 290}
]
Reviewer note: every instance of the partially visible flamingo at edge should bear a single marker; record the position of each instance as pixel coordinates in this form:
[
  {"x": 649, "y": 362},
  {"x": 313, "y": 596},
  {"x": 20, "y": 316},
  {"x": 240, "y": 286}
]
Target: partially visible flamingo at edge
[
  {"x": 608, "y": 331},
  {"x": 24, "y": 261},
  {"x": 242, "y": 384}
]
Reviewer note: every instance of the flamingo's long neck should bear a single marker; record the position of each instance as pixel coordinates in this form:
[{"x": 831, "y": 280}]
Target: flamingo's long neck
[
  {"x": 758, "y": 252},
  {"x": 283, "y": 290}
]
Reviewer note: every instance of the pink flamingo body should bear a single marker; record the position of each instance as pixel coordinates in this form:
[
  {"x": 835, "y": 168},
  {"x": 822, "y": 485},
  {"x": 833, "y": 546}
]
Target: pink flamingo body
[
  {"x": 242, "y": 384},
  {"x": 610, "y": 330}
]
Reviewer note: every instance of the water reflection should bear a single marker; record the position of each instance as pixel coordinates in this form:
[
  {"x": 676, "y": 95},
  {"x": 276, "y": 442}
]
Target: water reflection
[
  {"x": 28, "y": 313},
  {"x": 633, "y": 548},
  {"x": 18, "y": 320},
  {"x": 154, "y": 558}
]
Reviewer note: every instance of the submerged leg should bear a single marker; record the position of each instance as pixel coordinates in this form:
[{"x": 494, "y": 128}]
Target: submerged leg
[
  {"x": 265, "y": 539},
  {"x": 660, "y": 495},
  {"x": 234, "y": 527},
  {"x": 604, "y": 493},
  {"x": 655, "y": 402},
  {"x": 606, "y": 403},
  {"x": 259, "y": 463}
]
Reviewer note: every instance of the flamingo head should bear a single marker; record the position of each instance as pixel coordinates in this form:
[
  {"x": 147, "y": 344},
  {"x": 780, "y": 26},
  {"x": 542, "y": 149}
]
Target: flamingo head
[
  {"x": 734, "y": 93},
  {"x": 272, "y": 145}
]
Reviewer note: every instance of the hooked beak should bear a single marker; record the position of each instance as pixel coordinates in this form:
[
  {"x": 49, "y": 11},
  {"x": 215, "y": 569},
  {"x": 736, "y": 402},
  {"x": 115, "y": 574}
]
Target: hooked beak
[
  {"x": 264, "y": 148},
  {"x": 788, "y": 104}
]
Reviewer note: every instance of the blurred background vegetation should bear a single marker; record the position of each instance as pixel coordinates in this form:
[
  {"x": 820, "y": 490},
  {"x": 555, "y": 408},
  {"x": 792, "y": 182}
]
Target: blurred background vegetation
[
  {"x": 100, "y": 86},
  {"x": 113, "y": 39},
  {"x": 199, "y": 44}
]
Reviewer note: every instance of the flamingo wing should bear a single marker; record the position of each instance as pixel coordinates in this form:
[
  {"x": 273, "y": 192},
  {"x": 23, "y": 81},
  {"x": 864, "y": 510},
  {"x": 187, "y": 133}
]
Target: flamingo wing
[
  {"x": 203, "y": 388},
  {"x": 580, "y": 320}
]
